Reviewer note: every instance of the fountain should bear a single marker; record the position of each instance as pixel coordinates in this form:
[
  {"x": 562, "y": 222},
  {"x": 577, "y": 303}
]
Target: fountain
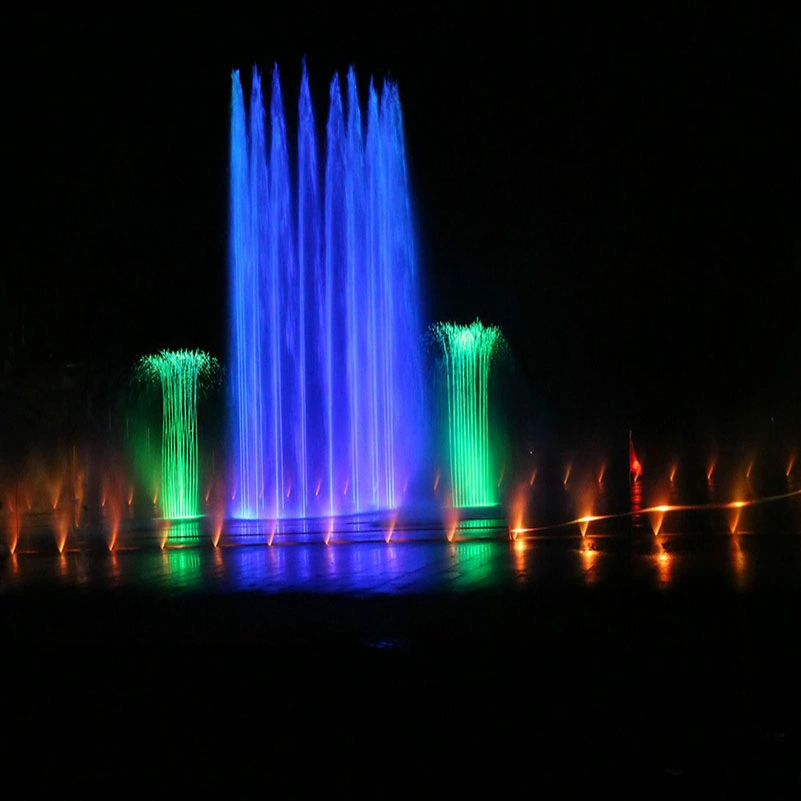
[
  {"x": 468, "y": 351},
  {"x": 180, "y": 374},
  {"x": 326, "y": 391}
]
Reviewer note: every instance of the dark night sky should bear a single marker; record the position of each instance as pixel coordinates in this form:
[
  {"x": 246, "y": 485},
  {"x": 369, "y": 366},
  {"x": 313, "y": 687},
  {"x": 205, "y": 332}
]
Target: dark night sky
[{"x": 620, "y": 195}]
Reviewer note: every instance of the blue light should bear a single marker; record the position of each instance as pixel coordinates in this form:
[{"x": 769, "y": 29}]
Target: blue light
[{"x": 327, "y": 400}]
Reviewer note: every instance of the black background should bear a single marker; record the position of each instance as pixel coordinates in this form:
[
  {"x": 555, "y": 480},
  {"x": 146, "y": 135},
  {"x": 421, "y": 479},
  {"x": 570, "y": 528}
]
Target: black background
[{"x": 620, "y": 194}]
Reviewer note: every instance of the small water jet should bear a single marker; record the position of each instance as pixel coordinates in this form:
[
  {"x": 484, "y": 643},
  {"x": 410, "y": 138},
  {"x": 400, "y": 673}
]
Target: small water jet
[
  {"x": 468, "y": 352},
  {"x": 180, "y": 373}
]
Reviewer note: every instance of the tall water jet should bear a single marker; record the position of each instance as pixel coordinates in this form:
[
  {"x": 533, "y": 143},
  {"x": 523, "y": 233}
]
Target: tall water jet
[
  {"x": 180, "y": 374},
  {"x": 327, "y": 398},
  {"x": 468, "y": 352}
]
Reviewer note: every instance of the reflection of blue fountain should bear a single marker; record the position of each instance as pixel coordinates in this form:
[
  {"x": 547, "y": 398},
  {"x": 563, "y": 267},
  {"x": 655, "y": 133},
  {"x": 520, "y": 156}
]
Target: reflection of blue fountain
[{"x": 327, "y": 406}]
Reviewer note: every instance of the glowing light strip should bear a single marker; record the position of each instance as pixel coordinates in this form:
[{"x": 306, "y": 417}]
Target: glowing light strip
[{"x": 662, "y": 508}]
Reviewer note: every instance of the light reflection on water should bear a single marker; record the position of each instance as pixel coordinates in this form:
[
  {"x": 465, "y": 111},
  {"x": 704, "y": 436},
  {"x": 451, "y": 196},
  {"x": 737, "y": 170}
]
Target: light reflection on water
[
  {"x": 734, "y": 545},
  {"x": 736, "y": 561}
]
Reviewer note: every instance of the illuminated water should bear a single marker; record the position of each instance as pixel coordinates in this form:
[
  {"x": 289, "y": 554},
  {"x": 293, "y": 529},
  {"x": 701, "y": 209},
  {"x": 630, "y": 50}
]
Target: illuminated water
[
  {"x": 621, "y": 654},
  {"x": 179, "y": 373},
  {"x": 327, "y": 398},
  {"x": 468, "y": 351},
  {"x": 573, "y": 533}
]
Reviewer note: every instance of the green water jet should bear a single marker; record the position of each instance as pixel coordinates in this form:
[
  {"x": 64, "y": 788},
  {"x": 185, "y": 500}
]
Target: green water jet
[
  {"x": 180, "y": 373},
  {"x": 468, "y": 352}
]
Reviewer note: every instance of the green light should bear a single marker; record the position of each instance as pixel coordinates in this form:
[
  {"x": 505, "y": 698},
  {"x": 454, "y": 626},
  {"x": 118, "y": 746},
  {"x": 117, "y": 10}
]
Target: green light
[
  {"x": 468, "y": 353},
  {"x": 179, "y": 373}
]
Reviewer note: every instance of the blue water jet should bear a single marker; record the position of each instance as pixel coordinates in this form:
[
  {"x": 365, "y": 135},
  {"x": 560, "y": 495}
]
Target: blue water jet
[{"x": 327, "y": 398}]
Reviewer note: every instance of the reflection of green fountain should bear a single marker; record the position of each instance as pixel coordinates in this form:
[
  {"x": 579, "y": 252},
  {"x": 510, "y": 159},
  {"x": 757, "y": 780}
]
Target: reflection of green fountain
[
  {"x": 468, "y": 353},
  {"x": 180, "y": 374}
]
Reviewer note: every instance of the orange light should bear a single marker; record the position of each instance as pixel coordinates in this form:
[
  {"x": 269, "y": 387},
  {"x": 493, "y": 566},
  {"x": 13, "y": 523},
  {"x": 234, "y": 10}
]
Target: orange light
[
  {"x": 663, "y": 563},
  {"x": 601, "y": 474},
  {"x": 656, "y": 517},
  {"x": 62, "y": 529},
  {"x": 391, "y": 530},
  {"x": 588, "y": 556},
  {"x": 56, "y": 493},
  {"x": 217, "y": 532},
  {"x": 518, "y": 510},
  {"x": 13, "y": 534},
  {"x": 519, "y": 548},
  {"x": 567, "y": 476},
  {"x": 451, "y": 522},
  {"x": 533, "y": 476}
]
